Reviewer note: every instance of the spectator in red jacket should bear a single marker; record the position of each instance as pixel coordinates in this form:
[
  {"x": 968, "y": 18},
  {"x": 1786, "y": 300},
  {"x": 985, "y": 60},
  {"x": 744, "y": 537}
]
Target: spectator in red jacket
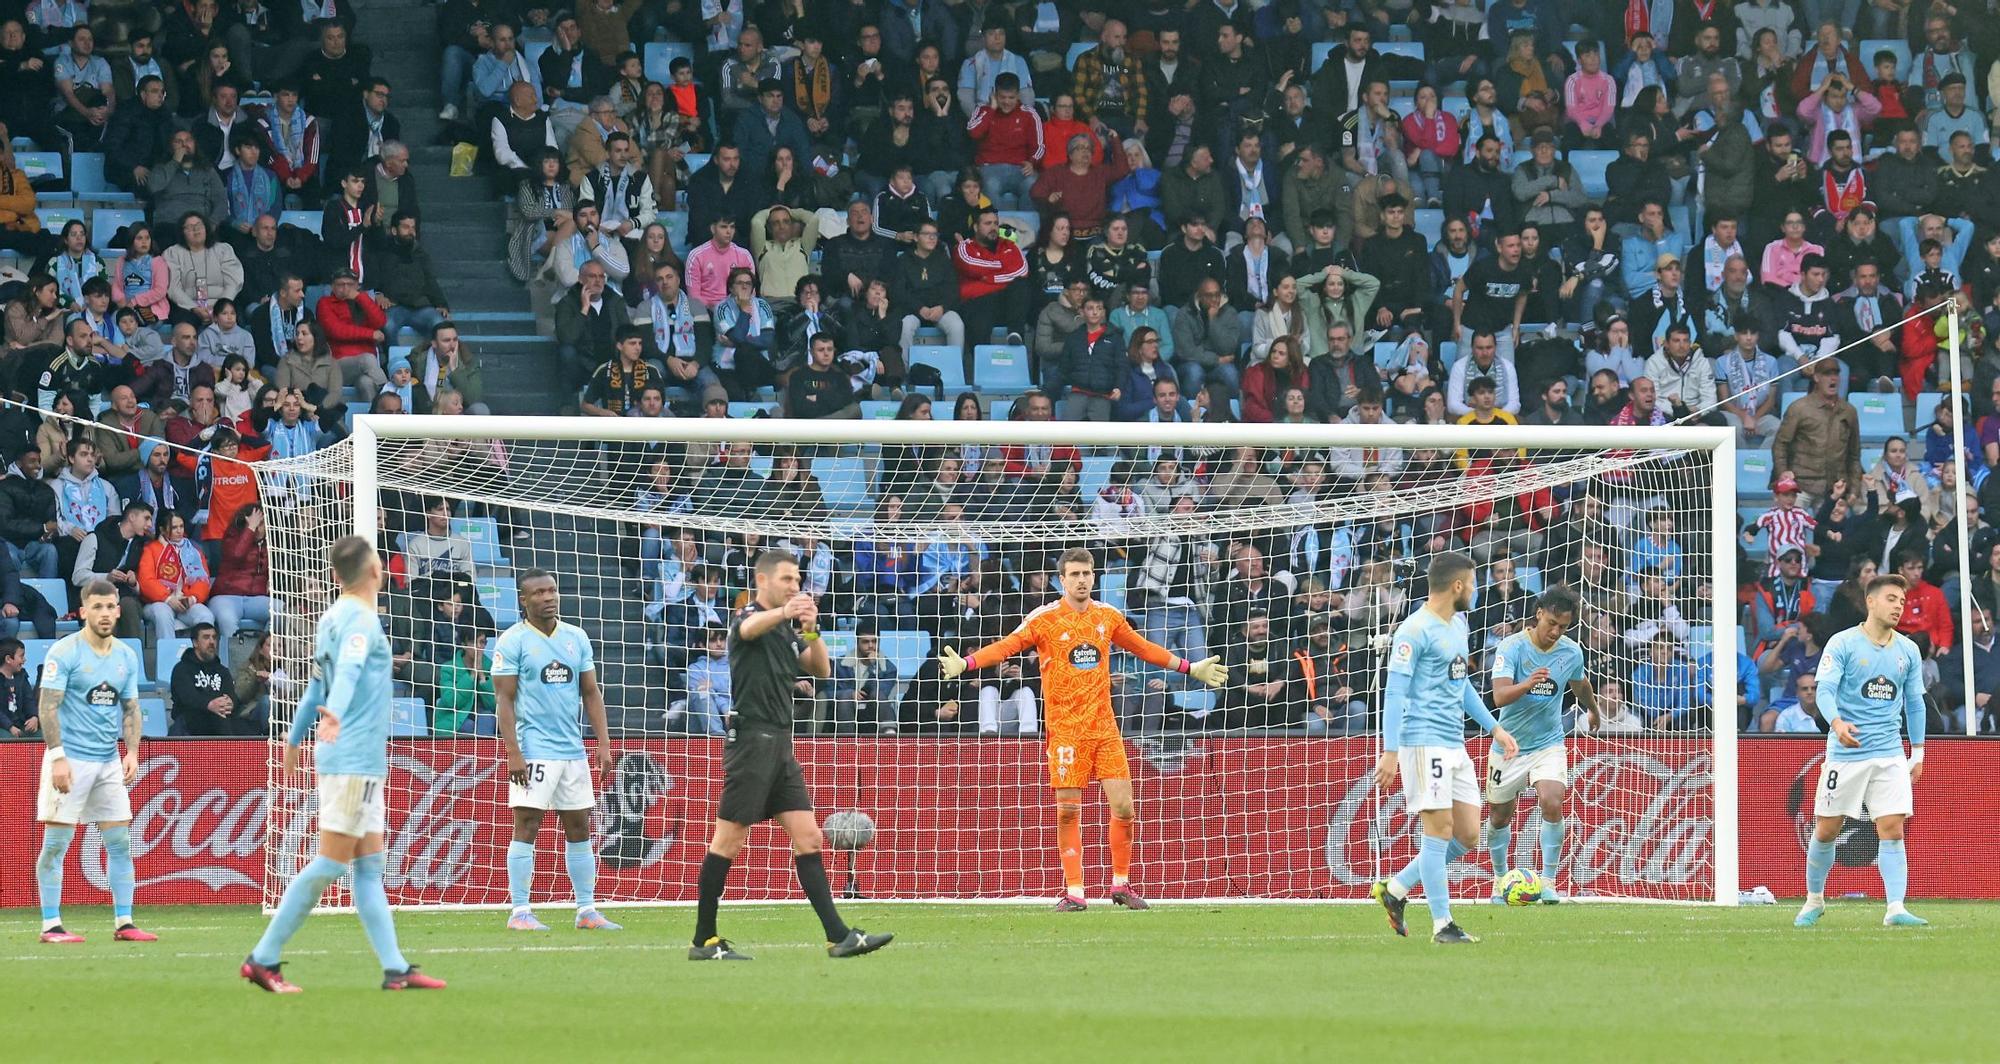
[
  {"x": 1080, "y": 187},
  {"x": 1007, "y": 141},
  {"x": 988, "y": 267},
  {"x": 1925, "y": 613},
  {"x": 354, "y": 324}
]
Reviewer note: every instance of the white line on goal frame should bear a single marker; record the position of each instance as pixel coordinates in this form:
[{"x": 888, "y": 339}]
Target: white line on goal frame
[{"x": 1718, "y": 443}]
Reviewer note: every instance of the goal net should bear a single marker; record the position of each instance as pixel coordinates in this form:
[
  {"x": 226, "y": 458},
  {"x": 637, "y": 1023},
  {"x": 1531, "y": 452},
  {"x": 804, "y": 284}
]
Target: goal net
[{"x": 1292, "y": 552}]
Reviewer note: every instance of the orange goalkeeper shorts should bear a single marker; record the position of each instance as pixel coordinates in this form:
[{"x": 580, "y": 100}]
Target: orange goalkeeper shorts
[{"x": 1073, "y": 762}]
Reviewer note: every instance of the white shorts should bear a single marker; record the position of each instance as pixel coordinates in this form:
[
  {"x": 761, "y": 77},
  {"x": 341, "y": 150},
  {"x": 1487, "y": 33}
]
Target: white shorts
[
  {"x": 1882, "y": 784},
  {"x": 97, "y": 794},
  {"x": 1437, "y": 777},
  {"x": 554, "y": 785},
  {"x": 352, "y": 805},
  {"x": 1505, "y": 780}
]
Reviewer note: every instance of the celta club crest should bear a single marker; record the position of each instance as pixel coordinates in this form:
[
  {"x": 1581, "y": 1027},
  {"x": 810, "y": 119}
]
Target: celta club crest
[{"x": 637, "y": 784}]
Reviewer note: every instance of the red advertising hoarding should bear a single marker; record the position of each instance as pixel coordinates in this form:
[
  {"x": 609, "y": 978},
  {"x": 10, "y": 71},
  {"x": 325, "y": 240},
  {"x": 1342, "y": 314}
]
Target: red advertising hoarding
[{"x": 1219, "y": 817}]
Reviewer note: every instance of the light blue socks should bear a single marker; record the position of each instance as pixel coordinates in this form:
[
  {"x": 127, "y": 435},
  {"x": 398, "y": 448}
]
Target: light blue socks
[
  {"x": 295, "y": 906},
  {"x": 1893, "y": 861},
  {"x": 371, "y": 903},
  {"x": 1432, "y": 864},
  {"x": 581, "y": 863},
  {"x": 1498, "y": 842},
  {"x": 521, "y": 873},
  {"x": 1819, "y": 861},
  {"x": 1552, "y": 847},
  {"x": 49, "y": 871},
  {"x": 118, "y": 868}
]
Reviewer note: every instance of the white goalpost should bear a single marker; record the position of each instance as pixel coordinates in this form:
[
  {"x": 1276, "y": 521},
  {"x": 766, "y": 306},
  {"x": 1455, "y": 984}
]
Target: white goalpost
[{"x": 1290, "y": 550}]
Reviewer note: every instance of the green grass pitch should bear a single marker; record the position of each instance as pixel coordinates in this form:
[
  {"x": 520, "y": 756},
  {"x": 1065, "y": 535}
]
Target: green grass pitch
[{"x": 972, "y": 983}]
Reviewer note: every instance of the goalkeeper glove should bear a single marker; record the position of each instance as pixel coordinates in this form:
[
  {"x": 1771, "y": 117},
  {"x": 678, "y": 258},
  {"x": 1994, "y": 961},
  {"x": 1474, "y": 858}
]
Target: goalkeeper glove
[
  {"x": 1210, "y": 671},
  {"x": 950, "y": 665}
]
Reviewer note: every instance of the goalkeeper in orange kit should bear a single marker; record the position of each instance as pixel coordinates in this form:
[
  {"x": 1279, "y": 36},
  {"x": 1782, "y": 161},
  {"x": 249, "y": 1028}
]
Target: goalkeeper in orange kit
[{"x": 1073, "y": 637}]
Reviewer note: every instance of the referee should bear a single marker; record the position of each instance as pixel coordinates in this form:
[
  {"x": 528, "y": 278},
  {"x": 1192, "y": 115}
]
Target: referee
[{"x": 770, "y": 639}]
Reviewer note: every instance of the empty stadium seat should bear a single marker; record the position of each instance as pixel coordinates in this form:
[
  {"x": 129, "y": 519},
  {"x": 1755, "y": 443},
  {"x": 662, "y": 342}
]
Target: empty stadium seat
[
  {"x": 86, "y": 178},
  {"x": 880, "y": 409},
  {"x": 753, "y": 409},
  {"x": 166, "y": 654},
  {"x": 1529, "y": 577},
  {"x": 999, "y": 367},
  {"x": 1880, "y": 415},
  {"x": 40, "y": 166},
  {"x": 695, "y": 161},
  {"x": 153, "y": 709},
  {"x": 54, "y": 218},
  {"x": 948, "y": 361},
  {"x": 999, "y": 409},
  {"x": 1096, "y": 473},
  {"x": 1590, "y": 165},
  {"x": 306, "y": 220},
  {"x": 1075, "y": 50},
  {"x": 1111, "y": 590},
  {"x": 843, "y": 482},
  {"x": 502, "y": 598},
  {"x": 1429, "y": 224},
  {"x": 106, "y": 221},
  {"x": 408, "y": 717},
  {"x": 484, "y": 532},
  {"x": 1753, "y": 474},
  {"x": 907, "y": 650}
]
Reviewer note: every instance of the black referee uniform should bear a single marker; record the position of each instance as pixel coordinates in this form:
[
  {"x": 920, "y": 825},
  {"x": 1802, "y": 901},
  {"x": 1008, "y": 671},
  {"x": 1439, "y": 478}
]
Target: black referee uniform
[{"x": 761, "y": 777}]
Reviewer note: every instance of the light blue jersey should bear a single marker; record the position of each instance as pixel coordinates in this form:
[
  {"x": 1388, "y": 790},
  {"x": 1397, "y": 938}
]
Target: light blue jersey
[
  {"x": 355, "y": 685},
  {"x": 1428, "y": 662},
  {"x": 1869, "y": 686},
  {"x": 1536, "y": 718},
  {"x": 550, "y": 694},
  {"x": 95, "y": 689}
]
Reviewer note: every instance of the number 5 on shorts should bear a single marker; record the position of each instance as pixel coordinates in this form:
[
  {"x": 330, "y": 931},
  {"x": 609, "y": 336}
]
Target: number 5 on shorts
[{"x": 1437, "y": 768}]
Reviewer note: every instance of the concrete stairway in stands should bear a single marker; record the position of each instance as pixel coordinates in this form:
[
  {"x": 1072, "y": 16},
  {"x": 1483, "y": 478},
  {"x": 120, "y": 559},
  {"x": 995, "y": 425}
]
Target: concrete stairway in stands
[{"x": 464, "y": 221}]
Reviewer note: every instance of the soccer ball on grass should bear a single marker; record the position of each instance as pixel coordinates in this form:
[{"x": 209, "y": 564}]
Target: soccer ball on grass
[{"x": 1520, "y": 886}]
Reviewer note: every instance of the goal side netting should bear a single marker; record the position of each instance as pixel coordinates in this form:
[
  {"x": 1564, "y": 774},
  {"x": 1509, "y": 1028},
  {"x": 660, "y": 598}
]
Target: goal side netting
[{"x": 1292, "y": 552}]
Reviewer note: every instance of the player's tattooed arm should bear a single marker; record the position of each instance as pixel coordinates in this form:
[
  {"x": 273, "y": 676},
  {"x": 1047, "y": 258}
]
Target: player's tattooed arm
[
  {"x": 49, "y": 706},
  {"x": 135, "y": 724}
]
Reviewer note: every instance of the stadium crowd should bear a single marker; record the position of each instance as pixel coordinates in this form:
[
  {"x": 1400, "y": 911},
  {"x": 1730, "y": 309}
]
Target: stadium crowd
[{"x": 1755, "y": 214}]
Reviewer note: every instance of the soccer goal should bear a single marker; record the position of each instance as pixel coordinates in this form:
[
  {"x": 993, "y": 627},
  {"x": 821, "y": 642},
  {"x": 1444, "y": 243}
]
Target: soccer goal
[{"x": 1292, "y": 551}]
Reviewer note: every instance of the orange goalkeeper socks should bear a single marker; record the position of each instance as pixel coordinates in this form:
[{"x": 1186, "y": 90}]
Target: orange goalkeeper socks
[
  {"x": 1121, "y": 850},
  {"x": 1069, "y": 839}
]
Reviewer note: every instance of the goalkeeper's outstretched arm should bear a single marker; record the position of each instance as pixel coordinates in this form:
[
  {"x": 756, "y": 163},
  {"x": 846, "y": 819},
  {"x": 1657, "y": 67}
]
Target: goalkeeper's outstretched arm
[
  {"x": 1208, "y": 670},
  {"x": 950, "y": 665}
]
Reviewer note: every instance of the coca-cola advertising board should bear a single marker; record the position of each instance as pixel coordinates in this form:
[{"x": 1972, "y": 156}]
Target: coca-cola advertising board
[{"x": 1219, "y": 817}]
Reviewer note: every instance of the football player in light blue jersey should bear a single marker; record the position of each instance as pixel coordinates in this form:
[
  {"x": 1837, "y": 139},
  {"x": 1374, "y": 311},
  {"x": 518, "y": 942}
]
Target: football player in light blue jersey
[
  {"x": 1426, "y": 700},
  {"x": 1531, "y": 670},
  {"x": 542, "y": 668},
  {"x": 89, "y": 700},
  {"x": 1869, "y": 676},
  {"x": 348, "y": 699}
]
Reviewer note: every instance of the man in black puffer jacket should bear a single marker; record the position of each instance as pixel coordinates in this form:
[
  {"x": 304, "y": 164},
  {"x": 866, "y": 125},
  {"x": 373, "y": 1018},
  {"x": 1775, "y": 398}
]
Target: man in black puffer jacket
[{"x": 1093, "y": 365}]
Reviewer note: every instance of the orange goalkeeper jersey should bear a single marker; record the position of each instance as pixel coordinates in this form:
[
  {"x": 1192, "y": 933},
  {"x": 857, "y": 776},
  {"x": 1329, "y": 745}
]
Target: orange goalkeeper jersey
[{"x": 1075, "y": 651}]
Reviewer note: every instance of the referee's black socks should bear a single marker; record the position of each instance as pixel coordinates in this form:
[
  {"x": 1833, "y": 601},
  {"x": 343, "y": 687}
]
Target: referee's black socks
[
  {"x": 812, "y": 877},
  {"x": 714, "y": 874}
]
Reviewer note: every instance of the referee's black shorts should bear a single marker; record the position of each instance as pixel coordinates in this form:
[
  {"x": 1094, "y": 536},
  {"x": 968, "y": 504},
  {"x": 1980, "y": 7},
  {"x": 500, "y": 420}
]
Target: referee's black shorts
[{"x": 760, "y": 778}]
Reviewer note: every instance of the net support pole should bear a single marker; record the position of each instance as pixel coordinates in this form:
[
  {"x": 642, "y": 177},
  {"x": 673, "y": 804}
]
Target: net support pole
[
  {"x": 1963, "y": 520},
  {"x": 367, "y": 483},
  {"x": 1722, "y": 661}
]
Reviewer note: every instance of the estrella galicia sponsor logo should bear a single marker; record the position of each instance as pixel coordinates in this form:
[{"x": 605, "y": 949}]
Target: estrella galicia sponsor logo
[{"x": 1084, "y": 657}]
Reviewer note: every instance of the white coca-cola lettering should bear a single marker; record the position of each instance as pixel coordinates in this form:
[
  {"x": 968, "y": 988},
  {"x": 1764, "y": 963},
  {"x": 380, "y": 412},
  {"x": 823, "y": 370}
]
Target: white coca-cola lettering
[
  {"x": 433, "y": 847},
  {"x": 213, "y": 825},
  {"x": 1649, "y": 822}
]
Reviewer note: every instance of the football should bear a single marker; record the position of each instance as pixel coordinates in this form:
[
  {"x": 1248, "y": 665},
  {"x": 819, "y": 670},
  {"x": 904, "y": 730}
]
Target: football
[{"x": 1521, "y": 886}]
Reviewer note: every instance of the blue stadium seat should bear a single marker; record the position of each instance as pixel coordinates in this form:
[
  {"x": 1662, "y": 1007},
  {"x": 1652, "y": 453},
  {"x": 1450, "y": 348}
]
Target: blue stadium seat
[
  {"x": 54, "y": 218},
  {"x": 998, "y": 367},
  {"x": 839, "y": 644},
  {"x": 1927, "y": 410},
  {"x": 843, "y": 482},
  {"x": 1321, "y": 50},
  {"x": 1678, "y": 218},
  {"x": 1590, "y": 166},
  {"x": 106, "y": 221},
  {"x": 1448, "y": 353},
  {"x": 998, "y": 409},
  {"x": 1701, "y": 641},
  {"x": 1407, "y": 49},
  {"x": 52, "y": 589},
  {"x": 1027, "y": 224},
  {"x": 535, "y": 50},
  {"x": 1753, "y": 474},
  {"x": 40, "y": 165},
  {"x": 696, "y": 160},
  {"x": 753, "y": 409},
  {"x": 1096, "y": 473},
  {"x": 86, "y": 177},
  {"x": 1429, "y": 224},
  {"x": 1522, "y": 155},
  {"x": 1385, "y": 354},
  {"x": 166, "y": 654},
  {"x": 660, "y": 56},
  {"x": 1197, "y": 700},
  {"x": 1881, "y": 415},
  {"x": 880, "y": 409},
  {"x": 154, "y": 709},
  {"x": 1455, "y": 104},
  {"x": 1868, "y": 47},
  {"x": 1786, "y": 399},
  {"x": 907, "y": 650},
  {"x": 484, "y": 532},
  {"x": 1529, "y": 577},
  {"x": 408, "y": 718},
  {"x": 1075, "y": 50},
  {"x": 502, "y": 598},
  {"x": 677, "y": 228},
  {"x": 306, "y": 220},
  {"x": 38, "y": 652},
  {"x": 948, "y": 361},
  {"x": 1111, "y": 590}
]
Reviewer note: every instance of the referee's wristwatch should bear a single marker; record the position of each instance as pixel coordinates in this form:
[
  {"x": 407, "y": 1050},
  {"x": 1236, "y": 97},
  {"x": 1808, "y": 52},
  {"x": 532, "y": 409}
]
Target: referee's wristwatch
[{"x": 809, "y": 635}]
